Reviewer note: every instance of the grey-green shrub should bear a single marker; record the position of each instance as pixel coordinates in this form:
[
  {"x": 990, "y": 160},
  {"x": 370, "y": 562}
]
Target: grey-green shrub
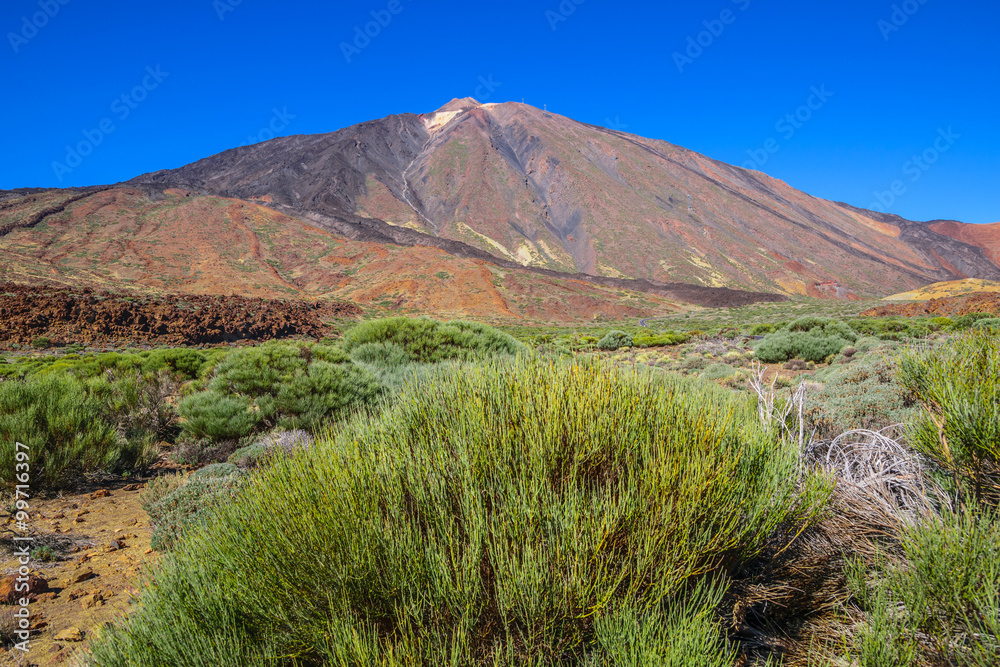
[
  {"x": 812, "y": 339},
  {"x": 389, "y": 355},
  {"x": 429, "y": 341},
  {"x": 192, "y": 501},
  {"x": 615, "y": 340},
  {"x": 992, "y": 323},
  {"x": 503, "y": 514},
  {"x": 864, "y": 394}
]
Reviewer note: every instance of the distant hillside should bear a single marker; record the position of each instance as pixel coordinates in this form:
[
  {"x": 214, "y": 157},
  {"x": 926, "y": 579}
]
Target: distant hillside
[{"x": 947, "y": 289}]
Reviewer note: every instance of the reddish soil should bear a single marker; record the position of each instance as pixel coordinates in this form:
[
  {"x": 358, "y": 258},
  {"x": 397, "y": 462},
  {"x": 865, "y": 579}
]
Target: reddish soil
[
  {"x": 90, "y": 316},
  {"x": 980, "y": 302}
]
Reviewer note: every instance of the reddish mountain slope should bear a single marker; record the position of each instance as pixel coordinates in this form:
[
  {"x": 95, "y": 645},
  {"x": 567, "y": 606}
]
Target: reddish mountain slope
[{"x": 120, "y": 238}]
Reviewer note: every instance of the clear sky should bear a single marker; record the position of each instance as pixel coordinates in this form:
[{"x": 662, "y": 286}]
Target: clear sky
[{"x": 906, "y": 91}]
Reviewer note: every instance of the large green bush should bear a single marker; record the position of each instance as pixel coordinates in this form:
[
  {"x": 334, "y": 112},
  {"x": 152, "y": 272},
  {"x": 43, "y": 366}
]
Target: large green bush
[
  {"x": 504, "y": 514},
  {"x": 660, "y": 340},
  {"x": 289, "y": 386},
  {"x": 615, "y": 340},
  {"x": 69, "y": 428},
  {"x": 809, "y": 338},
  {"x": 428, "y": 341}
]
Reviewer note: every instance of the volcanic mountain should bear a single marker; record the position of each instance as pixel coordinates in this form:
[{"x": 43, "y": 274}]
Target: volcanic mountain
[
  {"x": 528, "y": 187},
  {"x": 493, "y": 211}
]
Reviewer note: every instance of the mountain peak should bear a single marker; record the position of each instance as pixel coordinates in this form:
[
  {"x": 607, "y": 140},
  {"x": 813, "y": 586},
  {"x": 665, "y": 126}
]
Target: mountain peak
[{"x": 463, "y": 104}]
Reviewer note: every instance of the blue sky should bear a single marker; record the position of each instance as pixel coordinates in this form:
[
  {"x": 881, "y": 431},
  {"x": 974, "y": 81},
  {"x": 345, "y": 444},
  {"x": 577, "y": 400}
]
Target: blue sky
[{"x": 903, "y": 94}]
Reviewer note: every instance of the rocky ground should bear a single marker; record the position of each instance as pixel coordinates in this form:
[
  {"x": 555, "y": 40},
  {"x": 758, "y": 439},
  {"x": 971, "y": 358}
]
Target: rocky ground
[
  {"x": 100, "y": 537},
  {"x": 92, "y": 316},
  {"x": 981, "y": 302}
]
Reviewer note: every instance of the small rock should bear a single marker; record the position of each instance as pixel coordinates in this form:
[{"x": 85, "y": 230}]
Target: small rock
[
  {"x": 9, "y": 594},
  {"x": 69, "y": 635},
  {"x": 148, "y": 551},
  {"x": 92, "y": 600},
  {"x": 86, "y": 575},
  {"x": 100, "y": 493}
]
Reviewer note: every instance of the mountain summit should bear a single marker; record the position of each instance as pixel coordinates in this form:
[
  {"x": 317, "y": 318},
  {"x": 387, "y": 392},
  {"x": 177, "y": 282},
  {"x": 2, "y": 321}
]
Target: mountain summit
[{"x": 532, "y": 188}]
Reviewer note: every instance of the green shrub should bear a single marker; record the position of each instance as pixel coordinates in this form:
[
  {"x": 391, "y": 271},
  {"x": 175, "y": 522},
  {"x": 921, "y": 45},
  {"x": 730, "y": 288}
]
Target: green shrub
[
  {"x": 41, "y": 343},
  {"x": 504, "y": 514},
  {"x": 185, "y": 363},
  {"x": 959, "y": 425},
  {"x": 281, "y": 385},
  {"x": 428, "y": 341},
  {"x": 811, "y": 339},
  {"x": 945, "y": 590},
  {"x": 992, "y": 323},
  {"x": 382, "y": 354},
  {"x": 615, "y": 340},
  {"x": 717, "y": 372},
  {"x": 217, "y": 416},
  {"x": 660, "y": 340},
  {"x": 66, "y": 430},
  {"x": 762, "y": 329},
  {"x": 324, "y": 391},
  {"x": 965, "y": 322},
  {"x": 45, "y": 554}
]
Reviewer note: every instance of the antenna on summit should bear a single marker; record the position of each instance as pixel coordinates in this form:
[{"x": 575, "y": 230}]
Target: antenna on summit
[{"x": 689, "y": 203}]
